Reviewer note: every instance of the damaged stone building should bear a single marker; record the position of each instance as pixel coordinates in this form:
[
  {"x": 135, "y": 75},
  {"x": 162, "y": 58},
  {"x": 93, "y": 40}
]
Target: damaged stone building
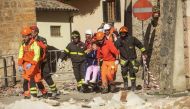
[{"x": 166, "y": 37}]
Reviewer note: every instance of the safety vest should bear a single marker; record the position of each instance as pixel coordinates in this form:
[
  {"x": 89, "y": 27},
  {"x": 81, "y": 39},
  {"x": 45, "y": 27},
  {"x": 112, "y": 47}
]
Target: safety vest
[{"x": 29, "y": 53}]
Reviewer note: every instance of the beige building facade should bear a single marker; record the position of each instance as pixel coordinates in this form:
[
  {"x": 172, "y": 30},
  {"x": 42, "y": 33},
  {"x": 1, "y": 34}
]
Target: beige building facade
[
  {"x": 46, "y": 20},
  {"x": 54, "y": 20}
]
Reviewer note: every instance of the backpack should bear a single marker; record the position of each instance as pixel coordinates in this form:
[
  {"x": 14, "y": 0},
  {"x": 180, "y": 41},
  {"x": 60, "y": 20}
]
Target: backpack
[{"x": 42, "y": 43}]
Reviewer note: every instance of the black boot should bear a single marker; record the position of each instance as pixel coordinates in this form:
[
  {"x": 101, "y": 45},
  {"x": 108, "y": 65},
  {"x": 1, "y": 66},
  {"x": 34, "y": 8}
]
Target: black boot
[
  {"x": 112, "y": 88},
  {"x": 125, "y": 85},
  {"x": 105, "y": 90},
  {"x": 133, "y": 85},
  {"x": 34, "y": 95}
]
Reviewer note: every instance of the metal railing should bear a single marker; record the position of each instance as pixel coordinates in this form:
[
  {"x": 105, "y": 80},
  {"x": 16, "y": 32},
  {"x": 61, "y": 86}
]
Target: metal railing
[
  {"x": 52, "y": 61},
  {"x": 5, "y": 69},
  {"x": 54, "y": 55}
]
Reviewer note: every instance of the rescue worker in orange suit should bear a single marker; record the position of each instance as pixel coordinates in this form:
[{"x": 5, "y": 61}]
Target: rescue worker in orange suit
[
  {"x": 44, "y": 61},
  {"x": 126, "y": 45},
  {"x": 109, "y": 54},
  {"x": 76, "y": 51},
  {"x": 28, "y": 63}
]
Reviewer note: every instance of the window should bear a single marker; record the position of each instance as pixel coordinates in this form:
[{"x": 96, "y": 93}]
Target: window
[
  {"x": 111, "y": 11},
  {"x": 55, "y": 31}
]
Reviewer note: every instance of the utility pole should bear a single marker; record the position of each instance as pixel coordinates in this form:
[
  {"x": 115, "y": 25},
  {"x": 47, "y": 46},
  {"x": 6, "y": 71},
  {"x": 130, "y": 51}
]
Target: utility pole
[
  {"x": 128, "y": 15},
  {"x": 125, "y": 11}
]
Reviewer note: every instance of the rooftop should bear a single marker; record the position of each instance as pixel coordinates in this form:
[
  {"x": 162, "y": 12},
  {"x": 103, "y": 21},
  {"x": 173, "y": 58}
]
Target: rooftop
[{"x": 53, "y": 5}]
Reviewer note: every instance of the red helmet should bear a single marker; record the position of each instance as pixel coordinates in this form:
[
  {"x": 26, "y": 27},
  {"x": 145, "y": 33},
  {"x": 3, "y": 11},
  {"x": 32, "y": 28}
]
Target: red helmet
[
  {"x": 99, "y": 35},
  {"x": 35, "y": 28},
  {"x": 26, "y": 31},
  {"x": 123, "y": 29}
]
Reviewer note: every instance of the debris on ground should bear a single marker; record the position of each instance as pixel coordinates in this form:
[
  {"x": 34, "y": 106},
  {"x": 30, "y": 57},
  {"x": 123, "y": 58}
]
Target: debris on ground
[
  {"x": 70, "y": 86},
  {"x": 133, "y": 101},
  {"x": 11, "y": 91},
  {"x": 64, "y": 92}
]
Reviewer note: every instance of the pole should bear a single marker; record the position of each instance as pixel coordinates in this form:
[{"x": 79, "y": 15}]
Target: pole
[
  {"x": 143, "y": 73},
  {"x": 14, "y": 70},
  {"x": 125, "y": 11},
  {"x": 5, "y": 72}
]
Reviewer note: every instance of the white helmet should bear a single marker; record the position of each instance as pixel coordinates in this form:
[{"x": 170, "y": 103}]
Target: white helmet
[
  {"x": 107, "y": 27},
  {"x": 89, "y": 31},
  {"x": 101, "y": 30}
]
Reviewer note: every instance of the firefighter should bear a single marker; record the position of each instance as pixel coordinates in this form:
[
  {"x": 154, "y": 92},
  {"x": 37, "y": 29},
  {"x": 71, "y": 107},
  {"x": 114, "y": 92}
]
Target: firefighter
[
  {"x": 126, "y": 45},
  {"x": 76, "y": 51},
  {"x": 28, "y": 63},
  {"x": 109, "y": 54},
  {"x": 44, "y": 62},
  {"x": 110, "y": 32}
]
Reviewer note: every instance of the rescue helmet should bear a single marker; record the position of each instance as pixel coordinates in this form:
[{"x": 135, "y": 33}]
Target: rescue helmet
[
  {"x": 99, "y": 36},
  {"x": 75, "y": 34},
  {"x": 35, "y": 28},
  {"x": 26, "y": 31},
  {"x": 123, "y": 29},
  {"x": 89, "y": 31},
  {"x": 107, "y": 26},
  {"x": 100, "y": 30}
]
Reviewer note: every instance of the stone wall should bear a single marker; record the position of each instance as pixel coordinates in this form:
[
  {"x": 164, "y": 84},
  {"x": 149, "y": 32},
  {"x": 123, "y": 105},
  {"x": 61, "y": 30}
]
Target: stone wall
[
  {"x": 14, "y": 14},
  {"x": 186, "y": 21}
]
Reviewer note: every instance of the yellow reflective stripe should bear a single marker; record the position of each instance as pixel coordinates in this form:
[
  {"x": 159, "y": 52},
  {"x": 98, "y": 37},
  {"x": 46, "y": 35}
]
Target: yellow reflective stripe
[
  {"x": 80, "y": 82},
  {"x": 132, "y": 78},
  {"x": 125, "y": 76},
  {"x": 135, "y": 67},
  {"x": 76, "y": 53},
  {"x": 52, "y": 86},
  {"x": 143, "y": 49},
  {"x": 80, "y": 53},
  {"x": 21, "y": 52},
  {"x": 73, "y": 53},
  {"x": 36, "y": 49},
  {"x": 122, "y": 62},
  {"x": 33, "y": 92},
  {"x": 33, "y": 88},
  {"x": 79, "y": 85},
  {"x": 66, "y": 50},
  {"x": 53, "y": 89},
  {"x": 133, "y": 62}
]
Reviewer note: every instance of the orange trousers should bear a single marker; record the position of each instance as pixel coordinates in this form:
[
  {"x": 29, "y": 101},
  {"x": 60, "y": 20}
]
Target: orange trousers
[
  {"x": 33, "y": 72},
  {"x": 108, "y": 72}
]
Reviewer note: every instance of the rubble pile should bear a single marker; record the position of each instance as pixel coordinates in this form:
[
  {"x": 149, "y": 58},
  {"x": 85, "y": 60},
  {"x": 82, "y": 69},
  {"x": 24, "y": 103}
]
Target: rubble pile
[
  {"x": 11, "y": 91},
  {"x": 133, "y": 101},
  {"x": 70, "y": 86}
]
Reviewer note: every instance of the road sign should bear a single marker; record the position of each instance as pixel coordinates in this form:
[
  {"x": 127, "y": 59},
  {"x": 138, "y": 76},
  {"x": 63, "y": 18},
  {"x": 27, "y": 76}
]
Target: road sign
[{"x": 142, "y": 9}]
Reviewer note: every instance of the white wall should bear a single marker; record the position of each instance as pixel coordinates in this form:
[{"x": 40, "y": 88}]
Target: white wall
[
  {"x": 91, "y": 16},
  {"x": 46, "y": 19},
  {"x": 58, "y": 42}
]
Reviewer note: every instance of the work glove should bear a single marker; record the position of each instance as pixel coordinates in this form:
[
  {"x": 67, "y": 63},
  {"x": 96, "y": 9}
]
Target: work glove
[
  {"x": 144, "y": 56},
  {"x": 59, "y": 63},
  {"x": 98, "y": 67},
  {"x": 28, "y": 66},
  {"x": 116, "y": 62},
  {"x": 20, "y": 69}
]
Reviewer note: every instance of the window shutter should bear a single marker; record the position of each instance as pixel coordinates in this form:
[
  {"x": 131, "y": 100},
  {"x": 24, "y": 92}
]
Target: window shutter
[
  {"x": 105, "y": 12},
  {"x": 117, "y": 10}
]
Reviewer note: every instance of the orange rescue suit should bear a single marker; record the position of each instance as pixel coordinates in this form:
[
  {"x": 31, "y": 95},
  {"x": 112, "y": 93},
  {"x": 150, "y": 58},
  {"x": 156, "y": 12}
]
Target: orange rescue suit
[{"x": 30, "y": 54}]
